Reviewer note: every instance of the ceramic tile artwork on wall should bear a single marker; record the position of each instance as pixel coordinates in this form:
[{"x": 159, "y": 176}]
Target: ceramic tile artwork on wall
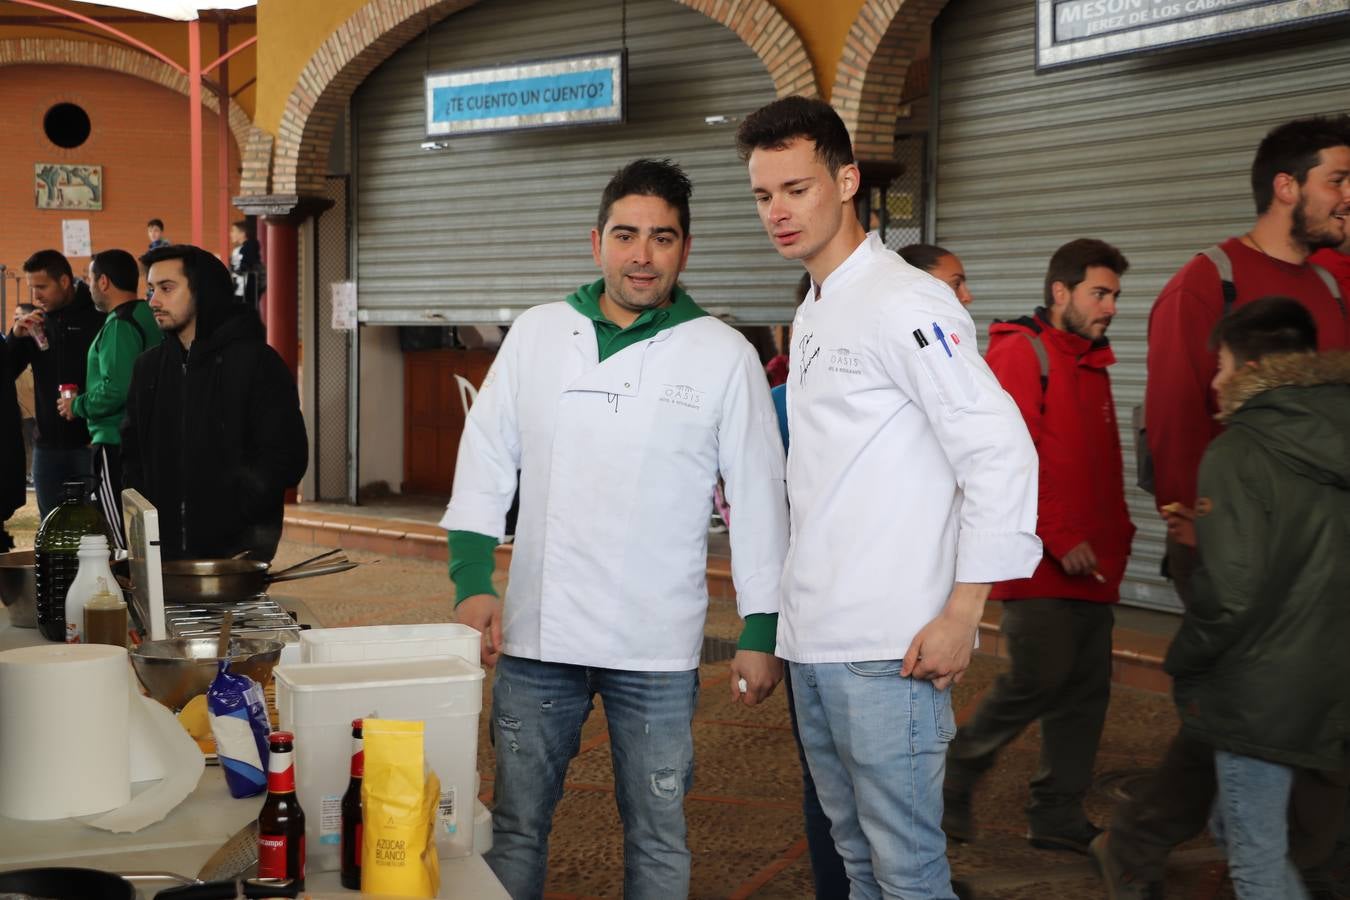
[{"x": 60, "y": 186}]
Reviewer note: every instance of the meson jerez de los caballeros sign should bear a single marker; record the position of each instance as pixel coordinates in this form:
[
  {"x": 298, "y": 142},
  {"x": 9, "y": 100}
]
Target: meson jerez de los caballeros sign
[{"x": 1076, "y": 31}]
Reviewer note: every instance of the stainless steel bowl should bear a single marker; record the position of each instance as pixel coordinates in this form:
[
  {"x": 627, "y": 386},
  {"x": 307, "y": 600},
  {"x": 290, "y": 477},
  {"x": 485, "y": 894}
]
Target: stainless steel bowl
[
  {"x": 176, "y": 670},
  {"x": 17, "y": 588}
]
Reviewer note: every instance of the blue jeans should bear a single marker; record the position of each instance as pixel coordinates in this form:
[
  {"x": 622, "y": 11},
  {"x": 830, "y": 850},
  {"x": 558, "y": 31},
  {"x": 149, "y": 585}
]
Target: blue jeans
[
  {"x": 1251, "y": 822},
  {"x": 52, "y": 467},
  {"x": 538, "y": 709},
  {"x": 877, "y": 748},
  {"x": 827, "y": 868}
]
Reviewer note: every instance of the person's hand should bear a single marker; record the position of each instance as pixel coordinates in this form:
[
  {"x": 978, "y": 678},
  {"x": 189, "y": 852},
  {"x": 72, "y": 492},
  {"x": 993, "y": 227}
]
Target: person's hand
[
  {"x": 65, "y": 406},
  {"x": 1180, "y": 521},
  {"x": 483, "y": 612},
  {"x": 941, "y": 651},
  {"x": 761, "y": 673},
  {"x": 23, "y": 321},
  {"x": 1080, "y": 560}
]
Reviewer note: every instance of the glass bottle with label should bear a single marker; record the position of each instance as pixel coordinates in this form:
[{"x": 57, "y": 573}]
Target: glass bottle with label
[
  {"x": 281, "y": 823},
  {"x": 56, "y": 550},
  {"x": 351, "y": 814}
]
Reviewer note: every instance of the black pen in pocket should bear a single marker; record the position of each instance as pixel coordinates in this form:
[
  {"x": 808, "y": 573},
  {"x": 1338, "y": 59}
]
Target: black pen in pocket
[{"x": 919, "y": 338}]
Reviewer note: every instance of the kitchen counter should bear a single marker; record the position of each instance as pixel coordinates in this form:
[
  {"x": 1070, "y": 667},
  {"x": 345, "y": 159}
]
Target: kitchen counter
[{"x": 184, "y": 840}]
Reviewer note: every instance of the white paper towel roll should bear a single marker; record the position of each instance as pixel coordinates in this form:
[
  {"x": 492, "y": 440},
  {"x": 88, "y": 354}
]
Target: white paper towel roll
[{"x": 64, "y": 747}]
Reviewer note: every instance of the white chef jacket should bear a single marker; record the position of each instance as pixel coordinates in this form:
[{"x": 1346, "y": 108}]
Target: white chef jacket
[
  {"x": 909, "y": 468},
  {"x": 618, "y": 463}
]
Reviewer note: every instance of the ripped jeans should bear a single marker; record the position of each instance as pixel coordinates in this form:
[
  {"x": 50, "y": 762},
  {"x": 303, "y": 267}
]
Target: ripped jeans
[{"x": 538, "y": 709}]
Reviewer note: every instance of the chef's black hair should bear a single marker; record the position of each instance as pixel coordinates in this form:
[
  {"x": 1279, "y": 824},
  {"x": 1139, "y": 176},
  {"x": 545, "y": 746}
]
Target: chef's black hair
[{"x": 649, "y": 178}]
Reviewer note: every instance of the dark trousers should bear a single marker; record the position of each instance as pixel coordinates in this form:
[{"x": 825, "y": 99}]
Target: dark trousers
[
  {"x": 827, "y": 866},
  {"x": 1061, "y": 674},
  {"x": 1174, "y": 805}
]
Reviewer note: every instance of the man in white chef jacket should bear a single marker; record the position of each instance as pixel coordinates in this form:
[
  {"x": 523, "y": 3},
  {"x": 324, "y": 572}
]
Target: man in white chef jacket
[
  {"x": 620, "y": 407},
  {"x": 912, "y": 485}
]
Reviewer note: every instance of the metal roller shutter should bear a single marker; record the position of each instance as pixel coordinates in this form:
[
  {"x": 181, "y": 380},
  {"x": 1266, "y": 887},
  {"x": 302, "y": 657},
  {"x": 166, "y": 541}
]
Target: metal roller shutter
[
  {"x": 1151, "y": 154},
  {"x": 497, "y": 223}
]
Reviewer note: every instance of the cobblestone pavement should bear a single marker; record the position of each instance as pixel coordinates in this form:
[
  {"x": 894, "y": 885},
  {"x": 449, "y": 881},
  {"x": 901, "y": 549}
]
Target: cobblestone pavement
[{"x": 745, "y": 827}]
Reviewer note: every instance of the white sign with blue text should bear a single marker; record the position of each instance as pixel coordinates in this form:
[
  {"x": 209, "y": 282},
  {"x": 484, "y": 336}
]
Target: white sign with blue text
[{"x": 579, "y": 90}]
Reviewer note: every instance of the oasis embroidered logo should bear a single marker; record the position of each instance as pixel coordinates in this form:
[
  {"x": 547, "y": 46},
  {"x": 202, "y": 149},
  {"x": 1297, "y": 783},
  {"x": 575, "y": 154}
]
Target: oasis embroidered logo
[
  {"x": 845, "y": 361},
  {"x": 682, "y": 395}
]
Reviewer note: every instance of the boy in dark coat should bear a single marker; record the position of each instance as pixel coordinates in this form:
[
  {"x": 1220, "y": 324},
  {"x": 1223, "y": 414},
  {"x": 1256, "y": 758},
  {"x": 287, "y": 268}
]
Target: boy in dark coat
[{"x": 1259, "y": 663}]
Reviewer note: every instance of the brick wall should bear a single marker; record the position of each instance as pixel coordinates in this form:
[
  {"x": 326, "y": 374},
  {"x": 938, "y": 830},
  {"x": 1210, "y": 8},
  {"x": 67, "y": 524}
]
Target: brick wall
[
  {"x": 376, "y": 31},
  {"x": 140, "y": 137},
  {"x": 873, "y": 67}
]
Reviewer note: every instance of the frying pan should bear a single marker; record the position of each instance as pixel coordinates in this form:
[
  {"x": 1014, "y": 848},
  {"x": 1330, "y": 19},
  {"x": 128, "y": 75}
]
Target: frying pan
[
  {"x": 67, "y": 884},
  {"x": 231, "y": 580}
]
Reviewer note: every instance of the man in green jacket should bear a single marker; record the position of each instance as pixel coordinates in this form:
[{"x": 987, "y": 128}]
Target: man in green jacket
[
  {"x": 128, "y": 330},
  {"x": 1259, "y": 662}
]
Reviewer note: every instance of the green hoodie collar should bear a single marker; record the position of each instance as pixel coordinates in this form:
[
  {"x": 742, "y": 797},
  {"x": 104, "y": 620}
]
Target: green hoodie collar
[{"x": 650, "y": 322}]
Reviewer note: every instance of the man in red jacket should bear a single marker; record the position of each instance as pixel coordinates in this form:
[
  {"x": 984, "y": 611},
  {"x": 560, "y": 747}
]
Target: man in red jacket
[
  {"x": 1057, "y": 623},
  {"x": 1301, "y": 184}
]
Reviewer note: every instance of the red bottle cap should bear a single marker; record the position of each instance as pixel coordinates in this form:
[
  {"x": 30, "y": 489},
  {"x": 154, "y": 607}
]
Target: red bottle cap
[
  {"x": 67, "y": 387},
  {"x": 281, "y": 737},
  {"x": 356, "y": 723}
]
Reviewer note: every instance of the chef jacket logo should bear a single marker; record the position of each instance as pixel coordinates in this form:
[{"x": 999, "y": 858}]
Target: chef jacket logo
[
  {"x": 682, "y": 395},
  {"x": 805, "y": 355},
  {"x": 845, "y": 361}
]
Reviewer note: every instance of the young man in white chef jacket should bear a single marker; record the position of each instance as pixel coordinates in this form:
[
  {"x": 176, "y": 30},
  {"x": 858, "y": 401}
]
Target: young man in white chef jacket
[
  {"x": 619, "y": 406},
  {"x": 912, "y": 485}
]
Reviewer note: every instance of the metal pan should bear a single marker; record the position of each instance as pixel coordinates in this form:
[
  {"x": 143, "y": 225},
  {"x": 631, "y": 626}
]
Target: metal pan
[
  {"x": 231, "y": 580},
  {"x": 67, "y": 884}
]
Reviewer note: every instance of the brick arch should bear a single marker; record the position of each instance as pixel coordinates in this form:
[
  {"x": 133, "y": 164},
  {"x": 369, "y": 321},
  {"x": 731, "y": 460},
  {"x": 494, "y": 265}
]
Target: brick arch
[
  {"x": 380, "y": 28},
  {"x": 115, "y": 58},
  {"x": 870, "y": 78}
]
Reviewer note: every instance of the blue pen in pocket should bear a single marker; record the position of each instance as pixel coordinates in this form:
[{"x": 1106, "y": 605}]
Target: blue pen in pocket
[{"x": 942, "y": 338}]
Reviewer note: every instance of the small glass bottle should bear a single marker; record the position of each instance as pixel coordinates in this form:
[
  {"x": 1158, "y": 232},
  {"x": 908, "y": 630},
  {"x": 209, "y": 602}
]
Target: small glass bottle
[
  {"x": 105, "y": 617},
  {"x": 351, "y": 814},
  {"x": 281, "y": 823}
]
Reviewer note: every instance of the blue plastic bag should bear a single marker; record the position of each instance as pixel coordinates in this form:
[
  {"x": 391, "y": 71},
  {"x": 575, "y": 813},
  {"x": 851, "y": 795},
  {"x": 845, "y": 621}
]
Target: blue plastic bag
[{"x": 239, "y": 724}]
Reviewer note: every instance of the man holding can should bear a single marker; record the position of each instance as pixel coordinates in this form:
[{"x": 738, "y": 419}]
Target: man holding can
[
  {"x": 62, "y": 317},
  {"x": 620, "y": 407}
]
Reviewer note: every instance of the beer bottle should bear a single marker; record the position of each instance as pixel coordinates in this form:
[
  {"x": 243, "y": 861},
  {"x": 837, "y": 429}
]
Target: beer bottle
[
  {"x": 281, "y": 823},
  {"x": 351, "y": 814}
]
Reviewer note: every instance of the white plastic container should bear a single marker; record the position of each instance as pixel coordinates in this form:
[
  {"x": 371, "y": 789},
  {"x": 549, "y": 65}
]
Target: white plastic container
[
  {"x": 324, "y": 645},
  {"x": 93, "y": 555},
  {"x": 317, "y": 701}
]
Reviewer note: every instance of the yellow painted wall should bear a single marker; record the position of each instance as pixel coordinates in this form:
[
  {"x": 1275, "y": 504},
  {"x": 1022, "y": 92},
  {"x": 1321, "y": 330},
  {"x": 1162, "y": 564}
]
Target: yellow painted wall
[
  {"x": 823, "y": 26},
  {"x": 169, "y": 38},
  {"x": 292, "y": 30}
]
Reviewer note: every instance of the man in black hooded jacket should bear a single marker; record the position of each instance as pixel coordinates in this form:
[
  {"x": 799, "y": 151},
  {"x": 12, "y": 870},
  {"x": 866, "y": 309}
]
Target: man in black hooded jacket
[
  {"x": 65, "y": 313},
  {"x": 213, "y": 435}
]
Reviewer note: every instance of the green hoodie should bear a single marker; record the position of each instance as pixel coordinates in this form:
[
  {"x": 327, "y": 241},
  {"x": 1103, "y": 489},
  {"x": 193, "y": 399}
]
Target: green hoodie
[
  {"x": 128, "y": 331},
  {"x": 471, "y": 562}
]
